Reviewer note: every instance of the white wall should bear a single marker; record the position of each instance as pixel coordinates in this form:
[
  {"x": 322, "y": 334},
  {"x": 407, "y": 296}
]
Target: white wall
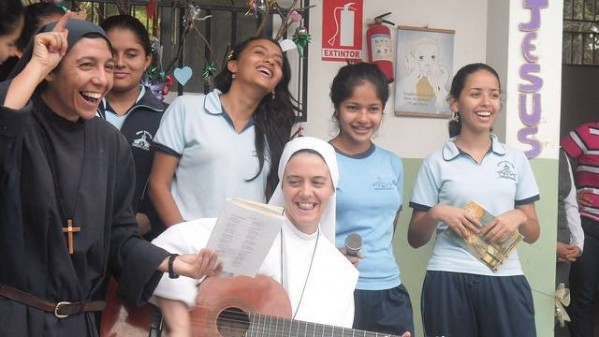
[{"x": 468, "y": 18}]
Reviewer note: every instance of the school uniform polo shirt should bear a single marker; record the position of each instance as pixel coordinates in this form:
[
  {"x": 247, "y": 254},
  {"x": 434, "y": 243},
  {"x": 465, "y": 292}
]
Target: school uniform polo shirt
[
  {"x": 369, "y": 195},
  {"x": 502, "y": 180},
  {"x": 215, "y": 161}
]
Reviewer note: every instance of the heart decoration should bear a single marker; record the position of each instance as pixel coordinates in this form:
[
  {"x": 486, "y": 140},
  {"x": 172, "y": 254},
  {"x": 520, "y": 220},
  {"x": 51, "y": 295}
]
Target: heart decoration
[{"x": 182, "y": 75}]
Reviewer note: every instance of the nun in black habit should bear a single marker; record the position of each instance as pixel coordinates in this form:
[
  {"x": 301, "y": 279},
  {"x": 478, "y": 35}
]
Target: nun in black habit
[{"x": 66, "y": 184}]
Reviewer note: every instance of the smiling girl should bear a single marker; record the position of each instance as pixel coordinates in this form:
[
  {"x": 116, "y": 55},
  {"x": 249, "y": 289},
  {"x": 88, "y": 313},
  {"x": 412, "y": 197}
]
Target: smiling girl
[
  {"x": 369, "y": 198},
  {"x": 225, "y": 143},
  {"x": 133, "y": 109},
  {"x": 474, "y": 166}
]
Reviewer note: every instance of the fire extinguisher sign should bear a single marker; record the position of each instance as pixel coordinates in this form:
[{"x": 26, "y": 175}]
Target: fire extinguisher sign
[{"x": 342, "y": 30}]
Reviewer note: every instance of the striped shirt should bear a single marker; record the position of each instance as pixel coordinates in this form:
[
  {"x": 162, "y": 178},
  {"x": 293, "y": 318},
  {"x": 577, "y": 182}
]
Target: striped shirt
[{"x": 582, "y": 145}]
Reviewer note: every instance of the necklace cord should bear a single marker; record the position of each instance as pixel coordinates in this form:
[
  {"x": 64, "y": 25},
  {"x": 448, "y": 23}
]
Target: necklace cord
[
  {"x": 51, "y": 157},
  {"x": 299, "y": 303}
]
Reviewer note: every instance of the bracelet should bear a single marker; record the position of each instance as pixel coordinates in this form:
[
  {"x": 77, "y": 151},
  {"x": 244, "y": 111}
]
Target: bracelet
[{"x": 171, "y": 271}]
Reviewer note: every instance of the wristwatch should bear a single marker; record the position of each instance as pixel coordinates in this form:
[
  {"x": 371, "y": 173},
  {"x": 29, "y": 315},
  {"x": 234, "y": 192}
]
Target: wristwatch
[{"x": 171, "y": 270}]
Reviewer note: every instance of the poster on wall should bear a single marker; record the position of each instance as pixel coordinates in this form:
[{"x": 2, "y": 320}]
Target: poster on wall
[
  {"x": 424, "y": 67},
  {"x": 342, "y": 30}
]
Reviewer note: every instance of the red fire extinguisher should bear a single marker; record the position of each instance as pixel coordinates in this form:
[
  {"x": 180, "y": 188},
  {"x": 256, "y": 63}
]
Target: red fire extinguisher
[{"x": 380, "y": 50}]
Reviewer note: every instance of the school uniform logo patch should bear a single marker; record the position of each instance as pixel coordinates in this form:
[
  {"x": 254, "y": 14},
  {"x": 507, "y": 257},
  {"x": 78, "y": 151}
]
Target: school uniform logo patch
[
  {"x": 507, "y": 170},
  {"x": 384, "y": 184},
  {"x": 143, "y": 142}
]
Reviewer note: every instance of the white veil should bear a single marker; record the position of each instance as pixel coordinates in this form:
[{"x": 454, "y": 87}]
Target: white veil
[{"x": 328, "y": 219}]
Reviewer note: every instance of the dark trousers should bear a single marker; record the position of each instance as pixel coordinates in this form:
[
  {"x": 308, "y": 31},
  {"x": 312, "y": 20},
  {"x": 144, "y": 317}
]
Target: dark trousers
[
  {"x": 470, "y": 305},
  {"x": 384, "y": 311},
  {"x": 584, "y": 279}
]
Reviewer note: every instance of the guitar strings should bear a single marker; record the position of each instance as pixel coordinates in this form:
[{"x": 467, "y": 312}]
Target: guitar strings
[{"x": 256, "y": 324}]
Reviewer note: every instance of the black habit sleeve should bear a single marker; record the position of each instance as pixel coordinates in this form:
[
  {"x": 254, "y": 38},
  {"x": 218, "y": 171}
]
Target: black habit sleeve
[{"x": 133, "y": 259}]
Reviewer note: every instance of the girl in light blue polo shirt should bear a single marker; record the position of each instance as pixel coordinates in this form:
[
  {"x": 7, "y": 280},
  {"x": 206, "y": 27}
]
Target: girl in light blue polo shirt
[
  {"x": 461, "y": 296},
  {"x": 369, "y": 197},
  {"x": 225, "y": 144}
]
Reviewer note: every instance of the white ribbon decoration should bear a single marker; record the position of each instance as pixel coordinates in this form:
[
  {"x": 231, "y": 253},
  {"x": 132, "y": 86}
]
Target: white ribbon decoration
[{"x": 562, "y": 300}]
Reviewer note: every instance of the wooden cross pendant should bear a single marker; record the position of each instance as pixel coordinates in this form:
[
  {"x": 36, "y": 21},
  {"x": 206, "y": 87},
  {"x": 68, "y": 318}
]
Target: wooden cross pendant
[{"x": 69, "y": 229}]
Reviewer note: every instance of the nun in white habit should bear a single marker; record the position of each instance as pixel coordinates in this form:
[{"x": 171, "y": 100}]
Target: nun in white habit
[{"x": 319, "y": 280}]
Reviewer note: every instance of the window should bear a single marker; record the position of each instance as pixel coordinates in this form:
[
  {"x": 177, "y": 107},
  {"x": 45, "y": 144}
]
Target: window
[
  {"x": 581, "y": 32},
  {"x": 208, "y": 39}
]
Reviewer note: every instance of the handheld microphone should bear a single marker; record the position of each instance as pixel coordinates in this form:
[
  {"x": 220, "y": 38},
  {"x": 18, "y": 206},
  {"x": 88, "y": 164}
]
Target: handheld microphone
[{"x": 353, "y": 244}]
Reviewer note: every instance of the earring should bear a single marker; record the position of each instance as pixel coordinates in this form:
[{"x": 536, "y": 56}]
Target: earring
[
  {"x": 455, "y": 116},
  {"x": 233, "y": 76},
  {"x": 273, "y": 96}
]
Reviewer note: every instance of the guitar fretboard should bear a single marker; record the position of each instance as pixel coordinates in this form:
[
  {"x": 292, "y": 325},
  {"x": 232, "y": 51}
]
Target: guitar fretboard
[{"x": 270, "y": 326}]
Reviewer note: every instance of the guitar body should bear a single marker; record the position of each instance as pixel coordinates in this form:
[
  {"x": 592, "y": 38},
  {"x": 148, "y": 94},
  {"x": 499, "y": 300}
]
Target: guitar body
[{"x": 244, "y": 294}]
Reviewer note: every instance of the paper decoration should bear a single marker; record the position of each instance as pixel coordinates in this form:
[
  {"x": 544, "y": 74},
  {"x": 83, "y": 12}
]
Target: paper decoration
[{"x": 182, "y": 75}]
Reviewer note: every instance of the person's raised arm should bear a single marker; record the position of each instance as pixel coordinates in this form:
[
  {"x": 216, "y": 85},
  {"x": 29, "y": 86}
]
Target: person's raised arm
[
  {"x": 161, "y": 176},
  {"x": 48, "y": 50}
]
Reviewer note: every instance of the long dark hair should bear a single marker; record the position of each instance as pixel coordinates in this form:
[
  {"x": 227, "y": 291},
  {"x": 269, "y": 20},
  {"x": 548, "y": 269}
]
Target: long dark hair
[
  {"x": 274, "y": 116},
  {"x": 457, "y": 85},
  {"x": 11, "y": 14}
]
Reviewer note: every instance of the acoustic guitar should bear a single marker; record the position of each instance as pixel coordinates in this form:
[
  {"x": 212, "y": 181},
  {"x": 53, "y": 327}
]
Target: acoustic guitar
[{"x": 235, "y": 307}]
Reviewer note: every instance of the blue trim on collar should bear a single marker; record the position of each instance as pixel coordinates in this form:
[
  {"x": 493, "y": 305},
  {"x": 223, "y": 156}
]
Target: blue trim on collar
[
  {"x": 362, "y": 155},
  {"x": 451, "y": 151}
]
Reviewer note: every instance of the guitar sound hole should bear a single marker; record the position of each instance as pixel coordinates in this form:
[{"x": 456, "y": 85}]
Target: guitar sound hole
[{"x": 232, "y": 322}]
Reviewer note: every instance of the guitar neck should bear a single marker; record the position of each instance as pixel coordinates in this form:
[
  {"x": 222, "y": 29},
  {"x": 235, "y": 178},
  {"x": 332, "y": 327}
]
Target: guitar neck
[{"x": 270, "y": 326}]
